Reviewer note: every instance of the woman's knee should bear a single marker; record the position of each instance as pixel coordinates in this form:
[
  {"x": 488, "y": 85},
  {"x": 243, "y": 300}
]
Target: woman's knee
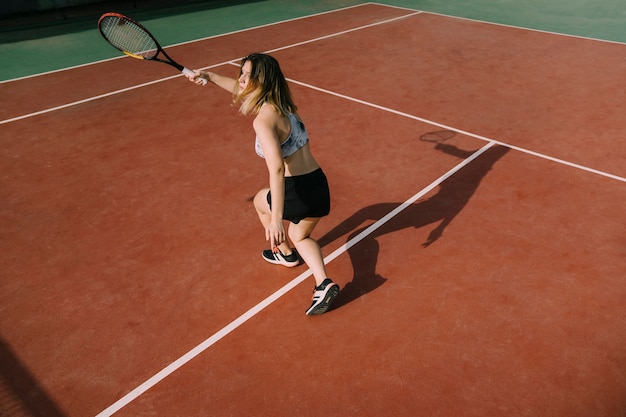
[
  {"x": 302, "y": 230},
  {"x": 260, "y": 201},
  {"x": 294, "y": 234}
]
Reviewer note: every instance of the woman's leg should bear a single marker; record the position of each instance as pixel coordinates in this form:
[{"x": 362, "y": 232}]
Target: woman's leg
[
  {"x": 308, "y": 248},
  {"x": 325, "y": 289},
  {"x": 264, "y": 212}
]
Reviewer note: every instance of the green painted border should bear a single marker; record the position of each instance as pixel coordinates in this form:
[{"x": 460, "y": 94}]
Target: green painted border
[{"x": 598, "y": 19}]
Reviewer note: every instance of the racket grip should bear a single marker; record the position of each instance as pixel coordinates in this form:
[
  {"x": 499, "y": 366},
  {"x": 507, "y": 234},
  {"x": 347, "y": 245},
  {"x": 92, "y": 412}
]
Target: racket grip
[{"x": 189, "y": 73}]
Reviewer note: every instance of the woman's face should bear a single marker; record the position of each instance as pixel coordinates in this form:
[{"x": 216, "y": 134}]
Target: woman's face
[{"x": 245, "y": 76}]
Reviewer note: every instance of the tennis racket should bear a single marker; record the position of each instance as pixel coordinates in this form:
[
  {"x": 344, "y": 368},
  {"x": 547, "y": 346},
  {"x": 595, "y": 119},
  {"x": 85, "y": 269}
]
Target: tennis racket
[{"x": 133, "y": 39}]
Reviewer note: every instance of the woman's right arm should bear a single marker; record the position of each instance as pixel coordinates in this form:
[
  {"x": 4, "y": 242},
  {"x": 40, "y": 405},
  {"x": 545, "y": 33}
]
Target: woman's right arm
[{"x": 226, "y": 83}]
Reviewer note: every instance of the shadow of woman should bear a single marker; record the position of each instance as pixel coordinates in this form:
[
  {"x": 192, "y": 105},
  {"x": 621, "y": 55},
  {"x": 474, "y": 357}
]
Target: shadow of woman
[
  {"x": 21, "y": 393},
  {"x": 451, "y": 197}
]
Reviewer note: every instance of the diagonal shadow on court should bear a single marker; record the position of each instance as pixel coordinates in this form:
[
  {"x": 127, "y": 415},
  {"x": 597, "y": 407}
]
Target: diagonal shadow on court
[
  {"x": 20, "y": 392},
  {"x": 451, "y": 197}
]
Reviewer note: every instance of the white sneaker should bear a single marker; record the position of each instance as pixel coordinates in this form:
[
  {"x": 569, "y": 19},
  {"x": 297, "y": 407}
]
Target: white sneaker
[
  {"x": 323, "y": 296},
  {"x": 278, "y": 258}
]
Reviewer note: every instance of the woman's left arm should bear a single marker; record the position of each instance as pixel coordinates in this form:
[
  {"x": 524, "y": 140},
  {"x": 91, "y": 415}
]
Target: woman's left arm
[{"x": 265, "y": 129}]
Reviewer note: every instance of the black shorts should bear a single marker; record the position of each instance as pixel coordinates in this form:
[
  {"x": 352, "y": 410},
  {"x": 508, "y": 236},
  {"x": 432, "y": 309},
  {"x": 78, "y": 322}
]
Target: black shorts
[{"x": 305, "y": 196}]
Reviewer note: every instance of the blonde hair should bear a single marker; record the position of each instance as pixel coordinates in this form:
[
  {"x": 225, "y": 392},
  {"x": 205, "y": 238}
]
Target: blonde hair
[{"x": 267, "y": 84}]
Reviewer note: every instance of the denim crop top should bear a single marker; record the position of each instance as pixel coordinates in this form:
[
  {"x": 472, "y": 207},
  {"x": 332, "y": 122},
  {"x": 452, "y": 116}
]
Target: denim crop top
[{"x": 296, "y": 140}]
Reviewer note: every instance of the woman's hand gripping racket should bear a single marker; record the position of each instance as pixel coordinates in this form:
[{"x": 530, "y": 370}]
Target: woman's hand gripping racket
[{"x": 136, "y": 41}]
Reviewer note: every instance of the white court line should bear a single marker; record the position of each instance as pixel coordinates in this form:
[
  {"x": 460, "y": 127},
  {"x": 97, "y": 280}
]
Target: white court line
[
  {"x": 344, "y": 32},
  {"x": 320, "y": 14},
  {"x": 387, "y": 109},
  {"x": 233, "y": 61},
  {"x": 94, "y": 98},
  {"x": 171, "y": 368},
  {"x": 463, "y": 132},
  {"x": 469, "y": 19},
  {"x": 168, "y": 370},
  {"x": 75, "y": 103},
  {"x": 199, "y": 40},
  {"x": 180, "y": 362}
]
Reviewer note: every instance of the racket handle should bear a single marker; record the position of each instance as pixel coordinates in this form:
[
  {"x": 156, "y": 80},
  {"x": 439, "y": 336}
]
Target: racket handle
[{"x": 189, "y": 73}]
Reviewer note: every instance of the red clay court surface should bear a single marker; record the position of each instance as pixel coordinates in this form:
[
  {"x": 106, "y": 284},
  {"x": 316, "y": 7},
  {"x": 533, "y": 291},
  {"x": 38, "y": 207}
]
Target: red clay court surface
[{"x": 489, "y": 161}]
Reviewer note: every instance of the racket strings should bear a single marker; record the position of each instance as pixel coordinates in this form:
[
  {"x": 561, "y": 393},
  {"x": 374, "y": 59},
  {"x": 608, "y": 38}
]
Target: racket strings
[{"x": 128, "y": 37}]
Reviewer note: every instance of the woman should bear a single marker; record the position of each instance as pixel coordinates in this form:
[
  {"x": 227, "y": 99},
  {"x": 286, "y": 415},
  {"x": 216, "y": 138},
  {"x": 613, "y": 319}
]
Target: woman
[{"x": 298, "y": 190}]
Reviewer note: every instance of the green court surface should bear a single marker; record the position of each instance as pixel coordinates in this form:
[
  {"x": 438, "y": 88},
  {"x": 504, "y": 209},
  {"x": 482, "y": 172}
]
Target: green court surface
[{"x": 50, "y": 41}]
